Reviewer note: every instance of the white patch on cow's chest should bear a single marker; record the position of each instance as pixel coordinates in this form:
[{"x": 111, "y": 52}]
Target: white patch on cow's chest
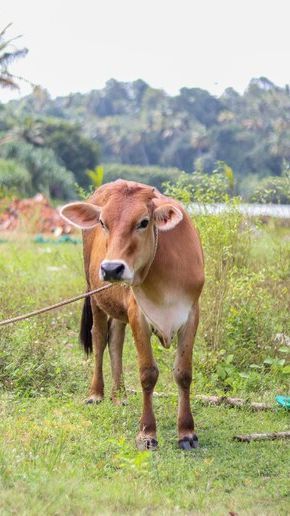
[{"x": 167, "y": 317}]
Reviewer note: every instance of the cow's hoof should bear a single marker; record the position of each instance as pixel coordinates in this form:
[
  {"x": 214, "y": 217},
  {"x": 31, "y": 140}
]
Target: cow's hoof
[
  {"x": 119, "y": 397},
  {"x": 120, "y": 402},
  {"x": 146, "y": 443},
  {"x": 188, "y": 443},
  {"x": 94, "y": 399}
]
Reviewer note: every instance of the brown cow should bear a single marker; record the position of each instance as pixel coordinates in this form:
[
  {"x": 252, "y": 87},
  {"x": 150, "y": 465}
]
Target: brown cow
[{"x": 146, "y": 245}]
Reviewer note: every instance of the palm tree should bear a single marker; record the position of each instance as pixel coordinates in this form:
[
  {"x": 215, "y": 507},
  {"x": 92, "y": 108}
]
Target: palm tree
[{"x": 8, "y": 54}]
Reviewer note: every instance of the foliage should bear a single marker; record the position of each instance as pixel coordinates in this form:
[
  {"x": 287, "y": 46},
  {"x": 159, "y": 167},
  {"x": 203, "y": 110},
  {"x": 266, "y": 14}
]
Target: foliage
[
  {"x": 96, "y": 176},
  {"x": 203, "y": 188},
  {"x": 14, "y": 177},
  {"x": 74, "y": 151},
  {"x": 60, "y": 154},
  {"x": 8, "y": 54},
  {"x": 154, "y": 176},
  {"x": 139, "y": 125},
  {"x": 45, "y": 173},
  {"x": 242, "y": 289},
  {"x": 247, "y": 277},
  {"x": 58, "y": 455},
  {"x": 274, "y": 189}
]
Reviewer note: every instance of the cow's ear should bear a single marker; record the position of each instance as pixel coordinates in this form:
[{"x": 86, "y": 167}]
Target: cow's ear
[
  {"x": 83, "y": 215},
  {"x": 167, "y": 216}
]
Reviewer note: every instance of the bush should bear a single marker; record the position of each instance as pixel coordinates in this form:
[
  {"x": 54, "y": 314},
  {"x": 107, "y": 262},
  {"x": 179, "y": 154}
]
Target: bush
[
  {"x": 154, "y": 176},
  {"x": 73, "y": 150},
  {"x": 274, "y": 190},
  {"x": 47, "y": 175},
  {"x": 202, "y": 187},
  {"x": 243, "y": 303},
  {"x": 14, "y": 177}
]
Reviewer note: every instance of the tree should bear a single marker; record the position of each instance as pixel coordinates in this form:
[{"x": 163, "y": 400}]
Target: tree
[
  {"x": 14, "y": 177},
  {"x": 139, "y": 125},
  {"x": 8, "y": 54},
  {"x": 200, "y": 104},
  {"x": 75, "y": 152},
  {"x": 274, "y": 189},
  {"x": 46, "y": 175}
]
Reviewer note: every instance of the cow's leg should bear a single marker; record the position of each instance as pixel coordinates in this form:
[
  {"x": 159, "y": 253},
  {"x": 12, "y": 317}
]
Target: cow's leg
[
  {"x": 146, "y": 438},
  {"x": 100, "y": 339},
  {"x": 116, "y": 342},
  {"x": 183, "y": 376}
]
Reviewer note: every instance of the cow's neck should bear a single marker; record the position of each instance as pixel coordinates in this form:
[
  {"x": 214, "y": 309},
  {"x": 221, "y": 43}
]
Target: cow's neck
[{"x": 163, "y": 302}]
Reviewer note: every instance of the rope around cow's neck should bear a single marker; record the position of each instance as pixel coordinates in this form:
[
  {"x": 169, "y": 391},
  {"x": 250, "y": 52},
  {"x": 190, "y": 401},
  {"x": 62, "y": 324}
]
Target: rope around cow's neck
[
  {"x": 155, "y": 234},
  {"x": 75, "y": 298}
]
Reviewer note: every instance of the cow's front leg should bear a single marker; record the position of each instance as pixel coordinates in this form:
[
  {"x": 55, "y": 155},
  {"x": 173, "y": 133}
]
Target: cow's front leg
[
  {"x": 116, "y": 342},
  {"x": 187, "y": 439},
  {"x": 146, "y": 438},
  {"x": 100, "y": 338}
]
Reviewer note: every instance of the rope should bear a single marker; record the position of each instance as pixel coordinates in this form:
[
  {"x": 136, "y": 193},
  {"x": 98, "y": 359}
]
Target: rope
[
  {"x": 53, "y": 307},
  {"x": 75, "y": 298}
]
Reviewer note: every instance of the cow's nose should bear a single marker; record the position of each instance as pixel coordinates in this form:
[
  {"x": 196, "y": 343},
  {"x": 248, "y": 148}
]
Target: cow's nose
[{"x": 112, "y": 271}]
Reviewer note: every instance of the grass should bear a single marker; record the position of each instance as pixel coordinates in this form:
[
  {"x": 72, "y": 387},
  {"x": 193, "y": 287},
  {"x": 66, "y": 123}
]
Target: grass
[{"x": 59, "y": 456}]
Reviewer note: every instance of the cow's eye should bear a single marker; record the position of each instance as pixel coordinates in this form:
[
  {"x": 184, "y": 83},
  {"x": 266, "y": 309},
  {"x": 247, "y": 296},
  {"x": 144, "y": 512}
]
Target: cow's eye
[
  {"x": 102, "y": 224},
  {"x": 143, "y": 224}
]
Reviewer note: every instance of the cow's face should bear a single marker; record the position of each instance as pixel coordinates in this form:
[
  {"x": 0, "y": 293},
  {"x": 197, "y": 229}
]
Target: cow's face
[{"x": 128, "y": 225}]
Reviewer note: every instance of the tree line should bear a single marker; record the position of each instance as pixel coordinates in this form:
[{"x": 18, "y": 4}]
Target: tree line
[
  {"x": 142, "y": 133},
  {"x": 135, "y": 125}
]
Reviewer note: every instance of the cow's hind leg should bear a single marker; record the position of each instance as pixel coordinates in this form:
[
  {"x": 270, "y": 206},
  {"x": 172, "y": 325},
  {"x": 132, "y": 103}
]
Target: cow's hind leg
[
  {"x": 100, "y": 339},
  {"x": 116, "y": 342},
  {"x": 187, "y": 439}
]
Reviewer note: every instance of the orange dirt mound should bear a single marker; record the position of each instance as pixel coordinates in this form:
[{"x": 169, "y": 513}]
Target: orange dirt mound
[{"x": 35, "y": 215}]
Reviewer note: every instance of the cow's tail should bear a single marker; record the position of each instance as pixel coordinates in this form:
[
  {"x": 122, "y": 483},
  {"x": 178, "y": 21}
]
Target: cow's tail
[{"x": 86, "y": 327}]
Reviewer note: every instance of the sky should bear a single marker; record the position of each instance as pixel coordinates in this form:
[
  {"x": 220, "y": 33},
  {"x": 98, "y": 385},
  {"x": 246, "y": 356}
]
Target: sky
[{"x": 212, "y": 44}]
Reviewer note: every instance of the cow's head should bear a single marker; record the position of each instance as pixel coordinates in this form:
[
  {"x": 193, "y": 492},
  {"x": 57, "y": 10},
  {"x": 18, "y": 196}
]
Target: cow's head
[{"x": 127, "y": 218}]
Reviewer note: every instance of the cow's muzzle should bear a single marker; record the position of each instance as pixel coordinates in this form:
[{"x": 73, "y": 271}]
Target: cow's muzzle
[{"x": 114, "y": 270}]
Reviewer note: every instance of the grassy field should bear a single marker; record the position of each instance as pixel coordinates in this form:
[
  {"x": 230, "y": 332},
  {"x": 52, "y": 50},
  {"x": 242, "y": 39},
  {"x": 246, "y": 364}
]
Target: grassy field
[{"x": 59, "y": 456}]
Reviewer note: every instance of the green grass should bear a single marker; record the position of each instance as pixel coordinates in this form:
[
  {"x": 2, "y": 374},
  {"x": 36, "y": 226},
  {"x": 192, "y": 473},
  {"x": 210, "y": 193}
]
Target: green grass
[{"x": 59, "y": 456}]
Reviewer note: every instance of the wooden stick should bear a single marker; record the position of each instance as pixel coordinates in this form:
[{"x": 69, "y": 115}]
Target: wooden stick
[
  {"x": 233, "y": 402},
  {"x": 269, "y": 436},
  {"x": 216, "y": 400}
]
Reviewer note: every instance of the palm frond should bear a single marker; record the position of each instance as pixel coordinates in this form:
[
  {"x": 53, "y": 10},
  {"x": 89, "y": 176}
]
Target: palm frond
[
  {"x": 8, "y": 42},
  {"x": 6, "y": 81},
  {"x": 8, "y": 54},
  {"x": 5, "y": 29},
  {"x": 8, "y": 57}
]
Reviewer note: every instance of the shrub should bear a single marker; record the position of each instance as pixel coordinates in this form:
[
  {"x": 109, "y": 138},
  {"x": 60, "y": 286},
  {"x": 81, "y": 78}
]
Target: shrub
[
  {"x": 14, "y": 177},
  {"x": 274, "y": 190},
  {"x": 47, "y": 175},
  {"x": 243, "y": 302},
  {"x": 202, "y": 187},
  {"x": 154, "y": 176}
]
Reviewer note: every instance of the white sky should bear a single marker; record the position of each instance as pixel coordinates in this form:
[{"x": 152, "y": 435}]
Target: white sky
[{"x": 78, "y": 45}]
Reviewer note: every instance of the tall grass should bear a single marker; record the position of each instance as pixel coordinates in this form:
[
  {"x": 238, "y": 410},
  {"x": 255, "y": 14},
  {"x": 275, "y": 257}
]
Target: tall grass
[
  {"x": 245, "y": 303},
  {"x": 60, "y": 456}
]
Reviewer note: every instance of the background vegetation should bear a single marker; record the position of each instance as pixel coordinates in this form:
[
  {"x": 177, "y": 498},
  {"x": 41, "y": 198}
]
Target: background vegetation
[
  {"x": 58, "y": 455},
  {"x": 142, "y": 132}
]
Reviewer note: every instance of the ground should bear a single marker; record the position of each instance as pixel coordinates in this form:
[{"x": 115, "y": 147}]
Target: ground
[{"x": 60, "y": 456}]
